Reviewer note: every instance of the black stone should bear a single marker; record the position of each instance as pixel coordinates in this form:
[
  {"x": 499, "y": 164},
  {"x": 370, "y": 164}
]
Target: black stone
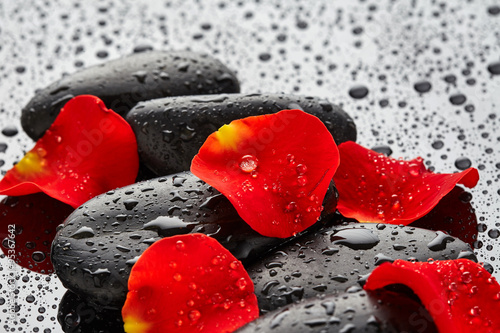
[
  {"x": 356, "y": 312},
  {"x": 171, "y": 130},
  {"x": 96, "y": 248},
  {"x": 360, "y": 247},
  {"x": 124, "y": 82}
]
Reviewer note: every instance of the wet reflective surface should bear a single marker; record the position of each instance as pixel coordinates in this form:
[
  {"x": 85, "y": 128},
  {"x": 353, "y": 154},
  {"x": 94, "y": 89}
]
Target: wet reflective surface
[{"x": 420, "y": 78}]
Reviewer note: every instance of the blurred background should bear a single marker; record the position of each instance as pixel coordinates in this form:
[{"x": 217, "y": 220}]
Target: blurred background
[{"x": 420, "y": 78}]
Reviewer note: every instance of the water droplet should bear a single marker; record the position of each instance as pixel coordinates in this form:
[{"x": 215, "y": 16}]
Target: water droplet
[
  {"x": 194, "y": 315},
  {"x": 358, "y": 92},
  {"x": 38, "y": 256},
  {"x": 422, "y": 86},
  {"x": 265, "y": 56},
  {"x": 177, "y": 277},
  {"x": 462, "y": 163},
  {"x": 242, "y": 283},
  {"x": 140, "y": 76},
  {"x": 248, "y": 163},
  {"x": 475, "y": 311},
  {"x": 180, "y": 246},
  {"x": 9, "y": 131},
  {"x": 130, "y": 203},
  {"x": 302, "y": 180},
  {"x": 438, "y": 144},
  {"x": 301, "y": 169},
  {"x": 440, "y": 241},
  {"x": 458, "y": 99},
  {"x": 290, "y": 207},
  {"x": 466, "y": 277},
  {"x": 355, "y": 238},
  {"x": 83, "y": 232},
  {"x": 494, "y": 233},
  {"x": 494, "y": 10}
]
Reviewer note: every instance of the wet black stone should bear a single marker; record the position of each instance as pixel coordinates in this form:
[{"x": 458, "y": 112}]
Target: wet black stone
[
  {"x": 96, "y": 248},
  {"x": 116, "y": 82},
  {"x": 170, "y": 131},
  {"x": 76, "y": 315},
  {"x": 359, "y": 311},
  {"x": 361, "y": 247}
]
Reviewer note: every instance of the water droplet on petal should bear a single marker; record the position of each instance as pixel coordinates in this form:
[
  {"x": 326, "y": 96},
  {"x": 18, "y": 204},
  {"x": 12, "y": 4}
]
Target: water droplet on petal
[
  {"x": 466, "y": 277},
  {"x": 194, "y": 315},
  {"x": 242, "y": 283},
  {"x": 301, "y": 169},
  {"x": 179, "y": 245},
  {"x": 475, "y": 311},
  {"x": 302, "y": 180},
  {"x": 290, "y": 207},
  {"x": 248, "y": 163}
]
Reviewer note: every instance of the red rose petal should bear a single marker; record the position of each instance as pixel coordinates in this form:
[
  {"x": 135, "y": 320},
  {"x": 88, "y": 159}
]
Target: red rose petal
[
  {"x": 28, "y": 226},
  {"x": 188, "y": 283},
  {"x": 376, "y": 188},
  {"x": 454, "y": 215},
  {"x": 460, "y": 295},
  {"x": 275, "y": 169},
  {"x": 87, "y": 151}
]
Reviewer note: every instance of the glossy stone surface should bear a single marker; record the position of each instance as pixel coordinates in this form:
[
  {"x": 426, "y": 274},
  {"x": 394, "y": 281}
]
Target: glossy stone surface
[
  {"x": 336, "y": 259},
  {"x": 124, "y": 82},
  {"x": 96, "y": 248},
  {"x": 170, "y": 131},
  {"x": 352, "y": 312}
]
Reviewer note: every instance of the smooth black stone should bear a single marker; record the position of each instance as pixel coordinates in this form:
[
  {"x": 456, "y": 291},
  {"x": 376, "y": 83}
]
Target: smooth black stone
[
  {"x": 170, "y": 131},
  {"x": 124, "y": 82},
  {"x": 75, "y": 315},
  {"x": 100, "y": 241},
  {"x": 350, "y": 251},
  {"x": 361, "y": 311}
]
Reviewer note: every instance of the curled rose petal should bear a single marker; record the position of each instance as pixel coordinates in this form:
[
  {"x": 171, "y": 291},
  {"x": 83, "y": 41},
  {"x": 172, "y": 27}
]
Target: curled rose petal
[
  {"x": 460, "y": 295},
  {"x": 28, "y": 226},
  {"x": 275, "y": 169},
  {"x": 188, "y": 283},
  {"x": 376, "y": 188},
  {"x": 87, "y": 151}
]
